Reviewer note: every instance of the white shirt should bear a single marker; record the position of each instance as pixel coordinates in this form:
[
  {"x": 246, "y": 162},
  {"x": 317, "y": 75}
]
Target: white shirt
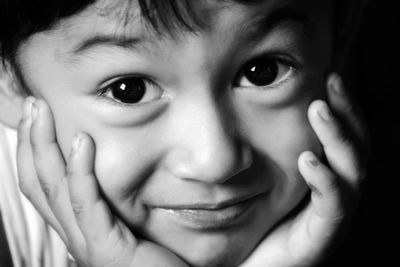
[{"x": 31, "y": 241}]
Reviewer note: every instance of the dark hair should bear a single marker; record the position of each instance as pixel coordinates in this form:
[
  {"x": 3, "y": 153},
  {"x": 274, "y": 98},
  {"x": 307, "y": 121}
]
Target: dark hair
[{"x": 21, "y": 18}]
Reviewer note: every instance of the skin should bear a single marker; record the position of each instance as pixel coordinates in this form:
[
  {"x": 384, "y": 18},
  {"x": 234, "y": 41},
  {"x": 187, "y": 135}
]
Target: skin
[{"x": 200, "y": 138}]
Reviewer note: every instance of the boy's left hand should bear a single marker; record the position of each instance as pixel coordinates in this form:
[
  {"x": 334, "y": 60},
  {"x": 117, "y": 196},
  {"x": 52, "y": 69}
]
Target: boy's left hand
[{"x": 306, "y": 238}]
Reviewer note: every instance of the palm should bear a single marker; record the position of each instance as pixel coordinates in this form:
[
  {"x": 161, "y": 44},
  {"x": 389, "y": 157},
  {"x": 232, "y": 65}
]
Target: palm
[{"x": 293, "y": 242}]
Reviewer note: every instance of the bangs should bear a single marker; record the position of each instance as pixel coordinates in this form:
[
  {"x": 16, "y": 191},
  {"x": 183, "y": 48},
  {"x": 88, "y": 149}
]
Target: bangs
[
  {"x": 173, "y": 15},
  {"x": 170, "y": 15},
  {"x": 21, "y": 18}
]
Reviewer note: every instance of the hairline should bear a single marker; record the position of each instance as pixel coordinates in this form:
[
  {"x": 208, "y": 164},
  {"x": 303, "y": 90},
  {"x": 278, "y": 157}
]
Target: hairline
[{"x": 106, "y": 10}]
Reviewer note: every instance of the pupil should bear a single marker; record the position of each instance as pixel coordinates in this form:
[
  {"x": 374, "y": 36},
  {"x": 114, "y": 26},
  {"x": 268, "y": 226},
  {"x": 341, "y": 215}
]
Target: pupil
[
  {"x": 129, "y": 90},
  {"x": 261, "y": 72}
]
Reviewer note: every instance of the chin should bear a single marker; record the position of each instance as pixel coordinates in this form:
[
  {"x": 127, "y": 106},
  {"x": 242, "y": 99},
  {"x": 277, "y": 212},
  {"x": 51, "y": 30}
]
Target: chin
[
  {"x": 228, "y": 244},
  {"x": 211, "y": 248},
  {"x": 218, "y": 251}
]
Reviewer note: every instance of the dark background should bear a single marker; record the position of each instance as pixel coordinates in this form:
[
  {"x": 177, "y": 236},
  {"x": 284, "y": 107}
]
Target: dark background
[{"x": 373, "y": 236}]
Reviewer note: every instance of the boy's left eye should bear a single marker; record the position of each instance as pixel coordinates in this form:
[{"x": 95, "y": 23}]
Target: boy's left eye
[
  {"x": 132, "y": 90},
  {"x": 263, "y": 72}
]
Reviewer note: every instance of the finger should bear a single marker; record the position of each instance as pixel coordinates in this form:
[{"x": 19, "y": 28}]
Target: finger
[
  {"x": 50, "y": 168},
  {"x": 91, "y": 211},
  {"x": 49, "y": 161},
  {"x": 329, "y": 210},
  {"x": 28, "y": 181},
  {"x": 326, "y": 195},
  {"x": 341, "y": 153},
  {"x": 345, "y": 108}
]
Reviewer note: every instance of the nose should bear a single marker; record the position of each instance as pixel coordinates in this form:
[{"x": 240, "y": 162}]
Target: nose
[{"x": 206, "y": 147}]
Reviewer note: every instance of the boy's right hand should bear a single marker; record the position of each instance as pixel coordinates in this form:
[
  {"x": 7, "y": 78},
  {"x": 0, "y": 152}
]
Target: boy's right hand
[{"x": 67, "y": 196}]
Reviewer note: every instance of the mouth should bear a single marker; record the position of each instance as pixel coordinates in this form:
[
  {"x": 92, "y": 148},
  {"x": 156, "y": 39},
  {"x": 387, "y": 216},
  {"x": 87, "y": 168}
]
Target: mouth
[{"x": 210, "y": 216}]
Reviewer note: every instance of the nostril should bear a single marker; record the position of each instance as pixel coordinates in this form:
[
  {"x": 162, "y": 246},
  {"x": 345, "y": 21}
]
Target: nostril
[{"x": 244, "y": 162}]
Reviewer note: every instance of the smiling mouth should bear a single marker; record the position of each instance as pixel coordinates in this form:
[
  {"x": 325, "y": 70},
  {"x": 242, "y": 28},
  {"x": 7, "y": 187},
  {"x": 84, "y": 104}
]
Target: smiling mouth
[{"x": 212, "y": 216}]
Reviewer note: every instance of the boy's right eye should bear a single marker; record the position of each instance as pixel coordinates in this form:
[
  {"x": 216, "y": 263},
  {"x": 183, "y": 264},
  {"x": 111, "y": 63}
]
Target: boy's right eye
[{"x": 132, "y": 90}]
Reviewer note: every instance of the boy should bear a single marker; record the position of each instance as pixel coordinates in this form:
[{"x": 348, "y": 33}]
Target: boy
[{"x": 175, "y": 133}]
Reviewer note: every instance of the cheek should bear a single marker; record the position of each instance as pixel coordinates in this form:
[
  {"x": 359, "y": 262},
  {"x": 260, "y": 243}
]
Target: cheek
[
  {"x": 280, "y": 136},
  {"x": 289, "y": 134},
  {"x": 292, "y": 138},
  {"x": 125, "y": 159},
  {"x": 119, "y": 163},
  {"x": 120, "y": 167}
]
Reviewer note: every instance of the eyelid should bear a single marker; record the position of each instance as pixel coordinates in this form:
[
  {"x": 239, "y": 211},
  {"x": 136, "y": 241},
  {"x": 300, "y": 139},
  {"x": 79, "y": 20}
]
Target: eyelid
[
  {"x": 110, "y": 80},
  {"x": 104, "y": 89},
  {"x": 286, "y": 60},
  {"x": 292, "y": 71},
  {"x": 284, "y": 56},
  {"x": 293, "y": 65},
  {"x": 278, "y": 84}
]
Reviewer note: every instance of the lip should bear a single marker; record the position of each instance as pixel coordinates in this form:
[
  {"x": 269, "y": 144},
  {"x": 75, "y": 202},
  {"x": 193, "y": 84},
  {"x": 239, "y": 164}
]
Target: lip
[{"x": 212, "y": 216}]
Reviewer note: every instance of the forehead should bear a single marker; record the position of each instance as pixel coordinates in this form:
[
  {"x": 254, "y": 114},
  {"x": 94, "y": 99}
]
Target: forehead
[
  {"x": 107, "y": 26},
  {"x": 116, "y": 24},
  {"x": 124, "y": 16}
]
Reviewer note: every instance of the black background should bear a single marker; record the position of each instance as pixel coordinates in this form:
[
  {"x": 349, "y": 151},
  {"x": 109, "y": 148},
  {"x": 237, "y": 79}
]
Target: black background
[{"x": 373, "y": 236}]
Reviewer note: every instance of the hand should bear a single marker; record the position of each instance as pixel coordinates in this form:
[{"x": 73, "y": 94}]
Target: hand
[
  {"x": 306, "y": 238},
  {"x": 66, "y": 194}
]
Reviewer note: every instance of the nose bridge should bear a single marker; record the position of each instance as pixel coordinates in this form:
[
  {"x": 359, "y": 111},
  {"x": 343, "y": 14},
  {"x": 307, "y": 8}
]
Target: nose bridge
[{"x": 205, "y": 144}]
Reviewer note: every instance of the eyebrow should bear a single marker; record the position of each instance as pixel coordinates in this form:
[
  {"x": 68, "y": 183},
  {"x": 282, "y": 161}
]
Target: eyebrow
[
  {"x": 282, "y": 15},
  {"x": 106, "y": 40},
  {"x": 260, "y": 27}
]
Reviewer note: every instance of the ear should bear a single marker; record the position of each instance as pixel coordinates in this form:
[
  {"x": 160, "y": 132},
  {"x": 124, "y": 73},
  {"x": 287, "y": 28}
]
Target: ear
[{"x": 11, "y": 98}]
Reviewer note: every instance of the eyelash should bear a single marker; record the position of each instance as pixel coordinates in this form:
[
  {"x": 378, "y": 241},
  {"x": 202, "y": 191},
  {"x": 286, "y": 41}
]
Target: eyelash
[
  {"x": 148, "y": 83},
  {"x": 292, "y": 64}
]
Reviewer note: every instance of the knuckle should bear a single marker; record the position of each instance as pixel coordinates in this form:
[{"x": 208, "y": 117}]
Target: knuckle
[
  {"x": 356, "y": 168},
  {"x": 48, "y": 189},
  {"x": 34, "y": 144},
  {"x": 340, "y": 214},
  {"x": 77, "y": 208},
  {"x": 332, "y": 182},
  {"x": 350, "y": 109},
  {"x": 342, "y": 138},
  {"x": 71, "y": 170}
]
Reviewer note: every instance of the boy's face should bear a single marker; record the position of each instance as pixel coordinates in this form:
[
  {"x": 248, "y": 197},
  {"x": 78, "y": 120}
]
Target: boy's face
[{"x": 197, "y": 136}]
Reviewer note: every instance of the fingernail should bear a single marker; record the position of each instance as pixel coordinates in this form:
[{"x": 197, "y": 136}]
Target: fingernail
[
  {"x": 325, "y": 113},
  {"x": 336, "y": 84},
  {"x": 311, "y": 160},
  {"x": 34, "y": 111},
  {"x": 76, "y": 143}
]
